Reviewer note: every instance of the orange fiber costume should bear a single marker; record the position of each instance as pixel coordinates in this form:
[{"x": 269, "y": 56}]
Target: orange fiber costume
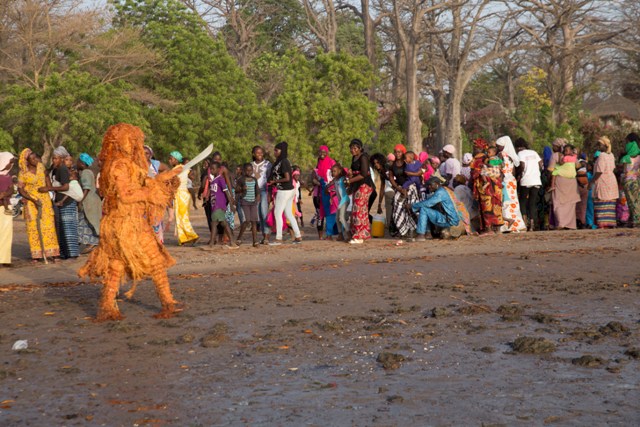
[{"x": 128, "y": 247}]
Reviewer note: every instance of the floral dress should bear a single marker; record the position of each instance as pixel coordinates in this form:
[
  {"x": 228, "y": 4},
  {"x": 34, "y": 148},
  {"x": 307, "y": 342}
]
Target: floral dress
[{"x": 510, "y": 204}]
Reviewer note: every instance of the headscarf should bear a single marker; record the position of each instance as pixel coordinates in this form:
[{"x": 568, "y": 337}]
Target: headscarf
[
  {"x": 423, "y": 156},
  {"x": 149, "y": 149},
  {"x": 435, "y": 161},
  {"x": 606, "y": 142},
  {"x": 176, "y": 155},
  {"x": 5, "y": 158},
  {"x": 391, "y": 157},
  {"x": 547, "y": 154},
  {"x": 509, "y": 149},
  {"x": 61, "y": 152},
  {"x": 324, "y": 165},
  {"x": 559, "y": 142},
  {"x": 449, "y": 149},
  {"x": 480, "y": 144},
  {"x": 401, "y": 148},
  {"x": 86, "y": 159},
  {"x": 467, "y": 158},
  {"x": 631, "y": 150}
]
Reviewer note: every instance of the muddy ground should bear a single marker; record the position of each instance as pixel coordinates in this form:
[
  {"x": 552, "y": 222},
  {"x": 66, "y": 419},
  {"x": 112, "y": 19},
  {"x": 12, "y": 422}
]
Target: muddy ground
[{"x": 527, "y": 329}]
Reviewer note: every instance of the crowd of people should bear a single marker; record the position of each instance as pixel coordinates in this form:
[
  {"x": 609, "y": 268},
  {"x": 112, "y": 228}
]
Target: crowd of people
[{"x": 501, "y": 187}]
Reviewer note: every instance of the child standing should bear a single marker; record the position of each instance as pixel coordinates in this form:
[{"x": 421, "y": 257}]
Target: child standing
[
  {"x": 220, "y": 196},
  {"x": 249, "y": 200},
  {"x": 341, "y": 198}
]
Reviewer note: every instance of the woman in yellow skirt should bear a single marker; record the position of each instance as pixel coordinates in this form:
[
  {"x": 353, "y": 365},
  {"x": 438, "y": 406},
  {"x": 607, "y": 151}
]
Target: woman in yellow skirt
[{"x": 184, "y": 229}]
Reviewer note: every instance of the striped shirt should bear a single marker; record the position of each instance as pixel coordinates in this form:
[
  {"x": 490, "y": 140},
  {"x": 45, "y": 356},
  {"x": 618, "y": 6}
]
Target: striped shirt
[{"x": 250, "y": 194}]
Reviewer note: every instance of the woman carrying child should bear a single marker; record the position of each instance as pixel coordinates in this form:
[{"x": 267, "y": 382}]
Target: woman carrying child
[{"x": 605, "y": 186}]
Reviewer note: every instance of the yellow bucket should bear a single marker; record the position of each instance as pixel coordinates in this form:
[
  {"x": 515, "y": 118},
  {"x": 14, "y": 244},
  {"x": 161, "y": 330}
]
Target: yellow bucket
[{"x": 377, "y": 226}]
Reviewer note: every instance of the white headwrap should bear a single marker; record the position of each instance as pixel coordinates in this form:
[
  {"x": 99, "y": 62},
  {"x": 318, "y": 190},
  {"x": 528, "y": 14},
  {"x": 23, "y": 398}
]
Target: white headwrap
[
  {"x": 5, "y": 158},
  {"x": 61, "y": 152},
  {"x": 509, "y": 149},
  {"x": 449, "y": 149},
  {"x": 467, "y": 158}
]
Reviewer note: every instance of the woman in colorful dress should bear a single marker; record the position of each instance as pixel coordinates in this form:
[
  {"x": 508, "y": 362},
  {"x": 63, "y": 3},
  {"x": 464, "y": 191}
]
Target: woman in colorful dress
[
  {"x": 361, "y": 186},
  {"x": 32, "y": 177},
  {"x": 487, "y": 189},
  {"x": 605, "y": 186},
  {"x": 323, "y": 170},
  {"x": 631, "y": 177},
  {"x": 565, "y": 196},
  {"x": 65, "y": 208},
  {"x": 511, "y": 214},
  {"x": 184, "y": 229},
  {"x": 405, "y": 195},
  {"x": 90, "y": 207}
]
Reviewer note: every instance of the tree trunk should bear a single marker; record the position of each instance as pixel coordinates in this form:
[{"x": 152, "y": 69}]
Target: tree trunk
[
  {"x": 398, "y": 86},
  {"x": 369, "y": 44},
  {"x": 452, "y": 133},
  {"x": 414, "y": 124},
  {"x": 441, "y": 117}
]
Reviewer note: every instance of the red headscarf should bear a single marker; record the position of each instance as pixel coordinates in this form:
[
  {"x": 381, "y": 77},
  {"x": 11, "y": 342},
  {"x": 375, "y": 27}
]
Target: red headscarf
[
  {"x": 324, "y": 165},
  {"x": 400, "y": 147}
]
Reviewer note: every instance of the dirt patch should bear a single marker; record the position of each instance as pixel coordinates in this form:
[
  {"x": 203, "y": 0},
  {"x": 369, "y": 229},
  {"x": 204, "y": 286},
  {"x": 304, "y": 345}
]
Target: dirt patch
[
  {"x": 533, "y": 345},
  {"x": 510, "y": 313},
  {"x": 390, "y": 361},
  {"x": 613, "y": 329},
  {"x": 588, "y": 361},
  {"x": 216, "y": 336},
  {"x": 633, "y": 353},
  {"x": 544, "y": 318}
]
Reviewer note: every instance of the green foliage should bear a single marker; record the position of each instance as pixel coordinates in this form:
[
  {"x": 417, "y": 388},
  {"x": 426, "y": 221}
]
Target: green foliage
[
  {"x": 72, "y": 109},
  {"x": 213, "y": 100},
  {"x": 6, "y": 141},
  {"x": 322, "y": 102}
]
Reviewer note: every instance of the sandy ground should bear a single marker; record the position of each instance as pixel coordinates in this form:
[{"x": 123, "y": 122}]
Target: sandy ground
[{"x": 327, "y": 334}]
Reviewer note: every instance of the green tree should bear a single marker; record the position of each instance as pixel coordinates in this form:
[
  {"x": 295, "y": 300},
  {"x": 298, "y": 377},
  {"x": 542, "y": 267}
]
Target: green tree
[
  {"x": 212, "y": 100},
  {"x": 322, "y": 102},
  {"x": 73, "y": 109}
]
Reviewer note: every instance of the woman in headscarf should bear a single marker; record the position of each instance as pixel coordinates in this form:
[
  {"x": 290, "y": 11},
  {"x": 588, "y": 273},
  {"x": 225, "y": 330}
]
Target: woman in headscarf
[
  {"x": 281, "y": 178},
  {"x": 465, "y": 170},
  {"x": 65, "y": 208},
  {"x": 6, "y": 215},
  {"x": 31, "y": 178},
  {"x": 511, "y": 214},
  {"x": 90, "y": 207},
  {"x": 403, "y": 218},
  {"x": 361, "y": 186},
  {"x": 184, "y": 229},
  {"x": 631, "y": 177},
  {"x": 323, "y": 170},
  {"x": 565, "y": 195},
  {"x": 605, "y": 186},
  {"x": 487, "y": 188}
]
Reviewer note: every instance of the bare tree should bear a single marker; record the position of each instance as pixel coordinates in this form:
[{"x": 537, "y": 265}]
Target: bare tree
[
  {"x": 568, "y": 33},
  {"x": 477, "y": 34},
  {"x": 407, "y": 17},
  {"x": 239, "y": 21},
  {"x": 323, "y": 22}
]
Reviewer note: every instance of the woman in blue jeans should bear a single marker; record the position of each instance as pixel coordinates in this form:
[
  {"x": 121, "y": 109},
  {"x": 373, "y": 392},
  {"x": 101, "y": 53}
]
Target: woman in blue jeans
[{"x": 261, "y": 171}]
